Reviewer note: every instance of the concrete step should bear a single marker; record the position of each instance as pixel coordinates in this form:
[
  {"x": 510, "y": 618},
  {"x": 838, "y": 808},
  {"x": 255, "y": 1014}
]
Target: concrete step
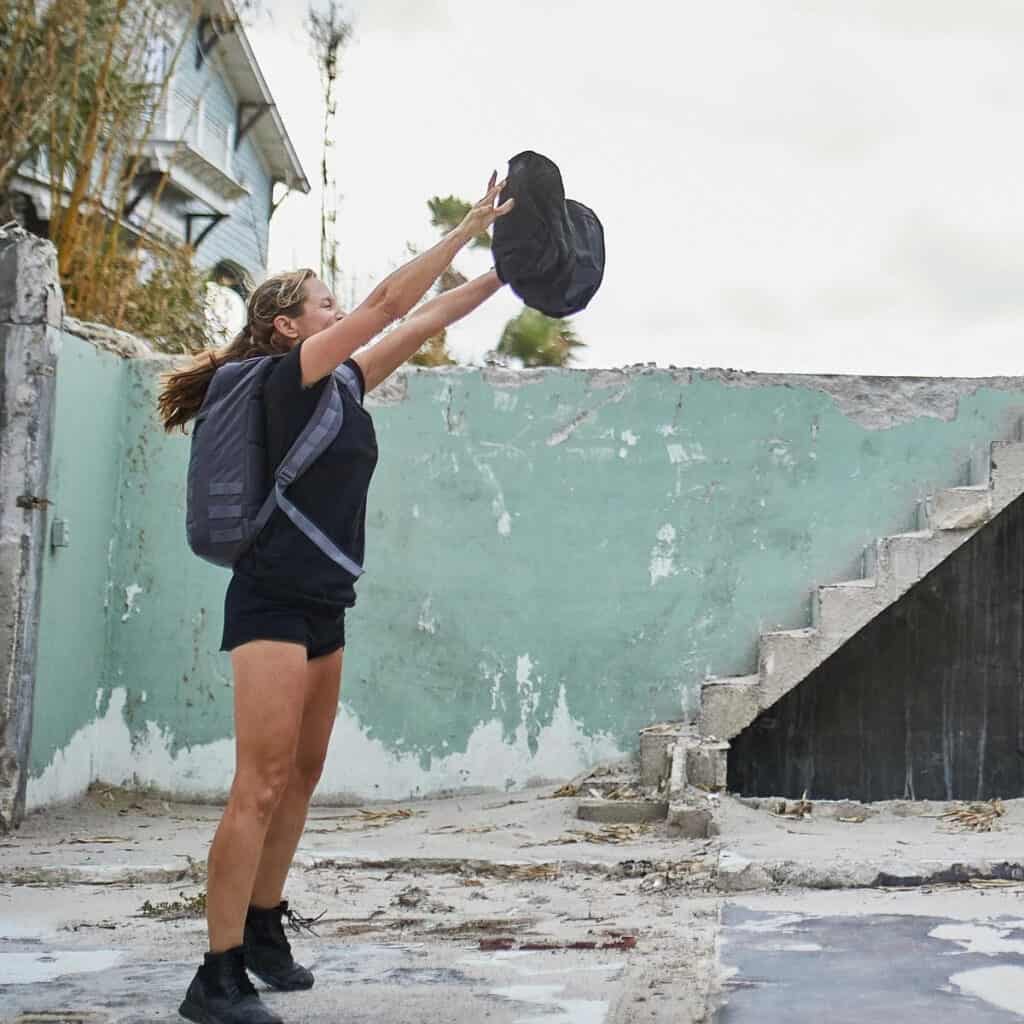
[
  {"x": 622, "y": 812},
  {"x": 958, "y": 508},
  {"x": 728, "y": 705},
  {"x": 891, "y": 566},
  {"x": 786, "y": 657},
  {"x": 901, "y": 560},
  {"x": 841, "y": 609},
  {"x": 1007, "y": 472}
]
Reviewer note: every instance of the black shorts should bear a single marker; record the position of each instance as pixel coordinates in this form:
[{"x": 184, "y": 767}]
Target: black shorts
[{"x": 252, "y": 615}]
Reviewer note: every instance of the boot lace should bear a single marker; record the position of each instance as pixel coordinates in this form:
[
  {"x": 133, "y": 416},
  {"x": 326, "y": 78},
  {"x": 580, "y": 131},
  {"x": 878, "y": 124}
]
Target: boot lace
[{"x": 300, "y": 924}]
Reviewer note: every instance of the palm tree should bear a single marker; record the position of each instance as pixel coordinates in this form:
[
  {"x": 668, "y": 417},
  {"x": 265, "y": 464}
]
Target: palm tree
[
  {"x": 448, "y": 213},
  {"x": 538, "y": 340},
  {"x": 434, "y": 352},
  {"x": 531, "y": 337}
]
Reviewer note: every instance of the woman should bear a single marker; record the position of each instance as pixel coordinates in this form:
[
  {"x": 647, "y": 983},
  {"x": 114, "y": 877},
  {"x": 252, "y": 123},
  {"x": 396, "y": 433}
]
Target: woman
[{"x": 284, "y": 614}]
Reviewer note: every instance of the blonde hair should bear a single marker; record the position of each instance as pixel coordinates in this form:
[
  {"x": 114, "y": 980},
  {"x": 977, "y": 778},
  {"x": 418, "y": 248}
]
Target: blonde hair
[{"x": 183, "y": 391}]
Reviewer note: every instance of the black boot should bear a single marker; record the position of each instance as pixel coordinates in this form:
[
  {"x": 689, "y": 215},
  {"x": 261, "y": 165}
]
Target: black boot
[
  {"x": 221, "y": 993},
  {"x": 268, "y": 953}
]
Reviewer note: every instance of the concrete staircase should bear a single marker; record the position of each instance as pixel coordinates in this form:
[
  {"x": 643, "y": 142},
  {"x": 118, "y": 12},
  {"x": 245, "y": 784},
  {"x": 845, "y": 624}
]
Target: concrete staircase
[
  {"x": 891, "y": 566},
  {"x": 683, "y": 765}
]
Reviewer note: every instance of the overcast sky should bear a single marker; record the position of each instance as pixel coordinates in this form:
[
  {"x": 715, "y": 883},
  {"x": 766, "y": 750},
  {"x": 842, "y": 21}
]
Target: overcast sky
[{"x": 792, "y": 185}]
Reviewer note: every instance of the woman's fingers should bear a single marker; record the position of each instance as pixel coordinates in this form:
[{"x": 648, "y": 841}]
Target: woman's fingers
[
  {"x": 494, "y": 178},
  {"x": 493, "y": 191}
]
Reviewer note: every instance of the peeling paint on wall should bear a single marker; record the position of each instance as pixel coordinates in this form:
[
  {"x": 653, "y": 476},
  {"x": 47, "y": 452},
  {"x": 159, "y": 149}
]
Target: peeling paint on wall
[
  {"x": 131, "y": 592},
  {"x": 663, "y": 555},
  {"x": 877, "y": 403},
  {"x": 531, "y": 600},
  {"x": 357, "y": 765},
  {"x": 427, "y": 623}
]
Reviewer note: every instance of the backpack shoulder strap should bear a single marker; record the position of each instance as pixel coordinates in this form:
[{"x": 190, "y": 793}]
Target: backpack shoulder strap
[
  {"x": 316, "y": 437},
  {"x": 348, "y": 377}
]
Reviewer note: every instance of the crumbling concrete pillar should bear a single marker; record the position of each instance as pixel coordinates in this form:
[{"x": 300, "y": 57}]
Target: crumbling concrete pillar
[
  {"x": 656, "y": 745},
  {"x": 31, "y": 308}
]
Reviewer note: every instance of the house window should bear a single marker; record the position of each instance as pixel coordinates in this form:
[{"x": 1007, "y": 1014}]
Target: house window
[
  {"x": 185, "y": 116},
  {"x": 157, "y": 59},
  {"x": 215, "y": 140}
]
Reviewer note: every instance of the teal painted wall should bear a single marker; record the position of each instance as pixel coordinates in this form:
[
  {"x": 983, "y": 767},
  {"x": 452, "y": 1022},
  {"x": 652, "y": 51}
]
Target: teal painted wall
[
  {"x": 555, "y": 559},
  {"x": 77, "y": 600}
]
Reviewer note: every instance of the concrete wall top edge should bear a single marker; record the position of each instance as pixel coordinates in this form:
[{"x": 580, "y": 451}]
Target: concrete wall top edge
[{"x": 874, "y": 402}]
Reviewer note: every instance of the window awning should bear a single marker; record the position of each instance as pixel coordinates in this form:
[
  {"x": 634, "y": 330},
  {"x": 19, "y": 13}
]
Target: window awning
[{"x": 194, "y": 174}]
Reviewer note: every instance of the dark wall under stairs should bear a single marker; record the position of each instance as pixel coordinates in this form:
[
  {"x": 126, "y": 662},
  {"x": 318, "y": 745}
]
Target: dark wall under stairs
[{"x": 925, "y": 702}]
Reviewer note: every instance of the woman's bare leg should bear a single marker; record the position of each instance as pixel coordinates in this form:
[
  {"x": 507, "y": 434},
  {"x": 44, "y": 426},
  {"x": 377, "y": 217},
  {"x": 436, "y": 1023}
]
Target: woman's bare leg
[
  {"x": 270, "y": 686},
  {"x": 323, "y": 685}
]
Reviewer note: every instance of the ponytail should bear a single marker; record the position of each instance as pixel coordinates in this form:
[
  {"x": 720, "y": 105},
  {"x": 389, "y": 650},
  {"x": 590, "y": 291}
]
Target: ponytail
[{"x": 183, "y": 391}]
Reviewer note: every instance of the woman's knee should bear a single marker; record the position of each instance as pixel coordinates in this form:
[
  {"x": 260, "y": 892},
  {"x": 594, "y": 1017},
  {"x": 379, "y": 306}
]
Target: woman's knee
[
  {"x": 306, "y": 774},
  {"x": 258, "y": 791}
]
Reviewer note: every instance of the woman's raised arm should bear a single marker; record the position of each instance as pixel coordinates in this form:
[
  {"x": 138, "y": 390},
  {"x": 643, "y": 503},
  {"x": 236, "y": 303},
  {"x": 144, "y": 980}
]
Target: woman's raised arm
[
  {"x": 396, "y": 294},
  {"x": 381, "y": 360}
]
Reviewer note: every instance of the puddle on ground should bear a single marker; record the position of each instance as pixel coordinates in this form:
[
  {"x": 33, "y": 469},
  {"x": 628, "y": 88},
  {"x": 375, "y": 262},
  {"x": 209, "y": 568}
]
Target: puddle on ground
[
  {"x": 776, "y": 923},
  {"x": 1002, "y": 986},
  {"x": 552, "y": 1005},
  {"x": 424, "y": 976},
  {"x": 988, "y": 940},
  {"x": 553, "y": 1010},
  {"x": 46, "y": 965}
]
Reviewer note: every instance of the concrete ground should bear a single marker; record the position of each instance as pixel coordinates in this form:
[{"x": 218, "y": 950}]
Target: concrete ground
[{"x": 509, "y": 908}]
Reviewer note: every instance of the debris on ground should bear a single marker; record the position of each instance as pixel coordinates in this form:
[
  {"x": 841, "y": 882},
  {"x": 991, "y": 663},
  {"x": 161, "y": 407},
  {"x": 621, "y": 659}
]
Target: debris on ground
[
  {"x": 626, "y": 792},
  {"x": 504, "y": 944},
  {"x": 676, "y": 874},
  {"x": 411, "y": 897},
  {"x": 454, "y": 830},
  {"x": 415, "y": 898},
  {"x": 974, "y": 817},
  {"x": 635, "y": 868},
  {"x": 176, "y": 910},
  {"x": 90, "y": 840},
  {"x": 364, "y": 819},
  {"x": 802, "y": 808},
  {"x": 607, "y": 834},
  {"x": 569, "y": 789},
  {"x": 528, "y": 872}
]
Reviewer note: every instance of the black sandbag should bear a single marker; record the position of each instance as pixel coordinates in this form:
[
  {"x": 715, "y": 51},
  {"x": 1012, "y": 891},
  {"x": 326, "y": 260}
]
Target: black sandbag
[{"x": 548, "y": 249}]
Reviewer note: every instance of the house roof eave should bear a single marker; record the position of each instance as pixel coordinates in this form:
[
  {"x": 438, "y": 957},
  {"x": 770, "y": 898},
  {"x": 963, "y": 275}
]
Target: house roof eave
[{"x": 270, "y": 135}]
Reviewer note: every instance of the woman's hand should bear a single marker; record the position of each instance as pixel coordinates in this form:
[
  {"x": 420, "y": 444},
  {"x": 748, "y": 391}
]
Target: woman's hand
[{"x": 484, "y": 213}]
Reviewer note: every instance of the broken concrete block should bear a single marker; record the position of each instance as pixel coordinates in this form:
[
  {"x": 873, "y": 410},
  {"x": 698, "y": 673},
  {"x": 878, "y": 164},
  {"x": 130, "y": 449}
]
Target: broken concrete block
[
  {"x": 959, "y": 508},
  {"x": 677, "y": 770},
  {"x": 728, "y": 706},
  {"x": 737, "y": 873},
  {"x": 656, "y": 743},
  {"x": 622, "y": 812},
  {"x": 688, "y": 822},
  {"x": 28, "y": 268},
  {"x": 707, "y": 765},
  {"x": 1007, "y": 472}
]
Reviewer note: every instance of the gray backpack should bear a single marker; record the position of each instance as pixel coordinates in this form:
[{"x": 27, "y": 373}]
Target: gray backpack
[{"x": 232, "y": 490}]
